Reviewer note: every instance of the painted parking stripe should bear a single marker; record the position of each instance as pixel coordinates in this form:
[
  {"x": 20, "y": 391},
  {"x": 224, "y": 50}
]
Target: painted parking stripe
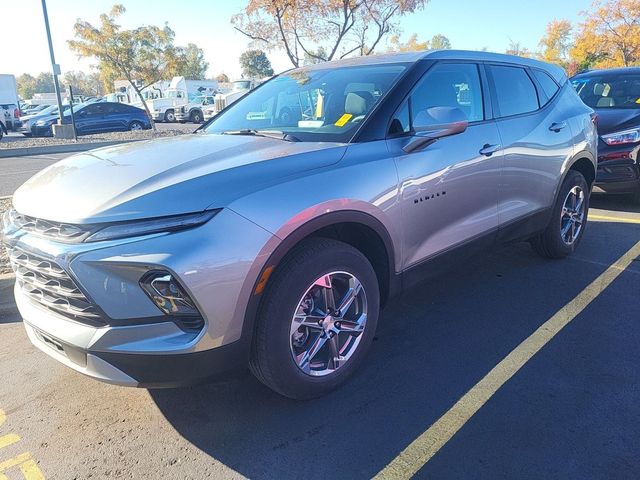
[
  {"x": 423, "y": 448},
  {"x": 607, "y": 218}
]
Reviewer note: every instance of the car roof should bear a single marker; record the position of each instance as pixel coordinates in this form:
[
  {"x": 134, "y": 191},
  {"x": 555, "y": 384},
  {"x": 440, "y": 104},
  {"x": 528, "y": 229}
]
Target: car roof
[
  {"x": 612, "y": 71},
  {"x": 412, "y": 57}
]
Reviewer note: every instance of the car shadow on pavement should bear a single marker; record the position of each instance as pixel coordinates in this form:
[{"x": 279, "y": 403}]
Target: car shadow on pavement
[
  {"x": 616, "y": 203},
  {"x": 433, "y": 344}
]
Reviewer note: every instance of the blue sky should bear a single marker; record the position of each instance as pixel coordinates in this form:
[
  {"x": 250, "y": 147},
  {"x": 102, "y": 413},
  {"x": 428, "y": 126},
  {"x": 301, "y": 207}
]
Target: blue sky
[{"x": 469, "y": 24}]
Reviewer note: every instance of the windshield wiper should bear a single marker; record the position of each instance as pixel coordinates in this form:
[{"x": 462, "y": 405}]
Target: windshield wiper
[{"x": 277, "y": 134}]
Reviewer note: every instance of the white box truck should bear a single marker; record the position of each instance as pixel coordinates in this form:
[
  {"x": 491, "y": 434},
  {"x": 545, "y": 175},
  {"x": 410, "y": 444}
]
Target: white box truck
[{"x": 9, "y": 103}]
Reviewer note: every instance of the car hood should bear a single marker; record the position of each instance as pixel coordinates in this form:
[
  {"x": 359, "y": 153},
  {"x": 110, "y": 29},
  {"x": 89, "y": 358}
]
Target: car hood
[
  {"x": 167, "y": 176},
  {"x": 611, "y": 120}
]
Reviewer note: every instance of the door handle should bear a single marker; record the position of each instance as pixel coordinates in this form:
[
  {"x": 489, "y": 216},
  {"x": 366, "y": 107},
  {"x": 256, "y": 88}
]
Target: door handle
[
  {"x": 487, "y": 150},
  {"x": 557, "y": 126}
]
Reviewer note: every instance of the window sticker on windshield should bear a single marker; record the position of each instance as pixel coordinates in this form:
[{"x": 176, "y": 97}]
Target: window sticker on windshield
[
  {"x": 310, "y": 123},
  {"x": 638, "y": 100},
  {"x": 342, "y": 121}
]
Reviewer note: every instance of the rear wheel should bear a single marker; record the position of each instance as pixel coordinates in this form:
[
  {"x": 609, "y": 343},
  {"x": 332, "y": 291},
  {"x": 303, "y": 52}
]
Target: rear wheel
[
  {"x": 317, "y": 320},
  {"x": 135, "y": 125},
  {"x": 568, "y": 221}
]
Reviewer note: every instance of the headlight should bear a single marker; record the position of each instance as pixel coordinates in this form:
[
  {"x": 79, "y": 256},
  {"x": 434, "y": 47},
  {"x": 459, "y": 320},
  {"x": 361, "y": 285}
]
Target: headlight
[
  {"x": 620, "y": 138},
  {"x": 145, "y": 227}
]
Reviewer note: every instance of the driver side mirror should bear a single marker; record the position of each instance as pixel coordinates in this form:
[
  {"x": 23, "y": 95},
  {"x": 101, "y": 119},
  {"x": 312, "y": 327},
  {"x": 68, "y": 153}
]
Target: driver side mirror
[{"x": 435, "y": 123}]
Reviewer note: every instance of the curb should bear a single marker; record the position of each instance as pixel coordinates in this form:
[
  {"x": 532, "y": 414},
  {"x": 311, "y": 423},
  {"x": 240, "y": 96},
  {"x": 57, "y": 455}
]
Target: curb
[{"x": 66, "y": 148}]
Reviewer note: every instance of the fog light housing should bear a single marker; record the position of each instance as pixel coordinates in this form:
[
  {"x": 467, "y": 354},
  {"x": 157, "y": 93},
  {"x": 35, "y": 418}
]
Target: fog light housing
[{"x": 167, "y": 293}]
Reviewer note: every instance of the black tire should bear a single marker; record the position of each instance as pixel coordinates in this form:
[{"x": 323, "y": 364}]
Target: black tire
[
  {"x": 196, "y": 116},
  {"x": 550, "y": 243},
  {"x": 136, "y": 125},
  {"x": 169, "y": 116},
  {"x": 272, "y": 361}
]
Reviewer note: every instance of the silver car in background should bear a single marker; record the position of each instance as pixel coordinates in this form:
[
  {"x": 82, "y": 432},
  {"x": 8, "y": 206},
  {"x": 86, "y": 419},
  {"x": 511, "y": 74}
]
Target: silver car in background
[{"x": 272, "y": 236}]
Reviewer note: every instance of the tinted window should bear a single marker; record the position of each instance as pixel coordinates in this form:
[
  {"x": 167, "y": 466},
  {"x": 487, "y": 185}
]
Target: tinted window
[
  {"x": 609, "y": 91},
  {"x": 515, "y": 92},
  {"x": 450, "y": 85},
  {"x": 548, "y": 85},
  {"x": 93, "y": 110}
]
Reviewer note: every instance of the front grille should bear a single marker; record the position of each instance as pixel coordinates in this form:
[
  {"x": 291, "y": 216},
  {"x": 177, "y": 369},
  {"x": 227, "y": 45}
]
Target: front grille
[
  {"x": 48, "y": 284},
  {"x": 45, "y": 228}
]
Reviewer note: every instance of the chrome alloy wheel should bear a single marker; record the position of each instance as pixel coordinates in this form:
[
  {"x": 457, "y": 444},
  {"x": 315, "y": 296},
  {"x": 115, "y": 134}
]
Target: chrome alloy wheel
[
  {"x": 572, "y": 217},
  {"x": 328, "y": 323}
]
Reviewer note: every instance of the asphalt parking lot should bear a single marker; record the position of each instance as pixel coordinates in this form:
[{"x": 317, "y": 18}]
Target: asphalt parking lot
[{"x": 442, "y": 395}]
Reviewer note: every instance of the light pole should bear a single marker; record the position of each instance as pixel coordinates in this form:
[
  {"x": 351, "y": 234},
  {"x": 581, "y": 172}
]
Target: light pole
[{"x": 54, "y": 65}]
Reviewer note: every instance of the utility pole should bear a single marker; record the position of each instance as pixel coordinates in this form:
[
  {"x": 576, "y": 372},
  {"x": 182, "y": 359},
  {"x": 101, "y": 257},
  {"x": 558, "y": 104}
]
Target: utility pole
[{"x": 54, "y": 65}]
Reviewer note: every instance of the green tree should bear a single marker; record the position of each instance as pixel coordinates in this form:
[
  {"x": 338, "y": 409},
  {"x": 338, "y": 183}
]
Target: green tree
[
  {"x": 255, "y": 64},
  {"x": 44, "y": 83},
  {"x": 440, "y": 42},
  {"x": 222, "y": 78},
  {"x": 83, "y": 83},
  {"x": 191, "y": 63},
  {"x": 142, "y": 55},
  {"x": 26, "y": 85},
  {"x": 341, "y": 27}
]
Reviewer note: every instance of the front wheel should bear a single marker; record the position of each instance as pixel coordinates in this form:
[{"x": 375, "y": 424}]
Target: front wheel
[
  {"x": 317, "y": 320},
  {"x": 568, "y": 221},
  {"x": 169, "y": 116},
  {"x": 196, "y": 116}
]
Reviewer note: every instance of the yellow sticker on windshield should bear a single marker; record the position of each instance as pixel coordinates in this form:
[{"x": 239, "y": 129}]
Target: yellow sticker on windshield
[
  {"x": 342, "y": 121},
  {"x": 638, "y": 100}
]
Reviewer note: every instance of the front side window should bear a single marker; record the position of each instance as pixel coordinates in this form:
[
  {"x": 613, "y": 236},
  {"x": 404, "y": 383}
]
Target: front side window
[
  {"x": 608, "y": 90},
  {"x": 312, "y": 104},
  {"x": 515, "y": 92},
  {"x": 444, "y": 85}
]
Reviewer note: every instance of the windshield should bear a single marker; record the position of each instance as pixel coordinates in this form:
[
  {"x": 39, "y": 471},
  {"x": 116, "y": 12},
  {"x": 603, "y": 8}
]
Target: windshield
[
  {"x": 319, "y": 105},
  {"x": 609, "y": 91}
]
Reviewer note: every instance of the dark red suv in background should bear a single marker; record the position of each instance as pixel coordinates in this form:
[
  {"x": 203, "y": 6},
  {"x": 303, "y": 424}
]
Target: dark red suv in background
[{"x": 615, "y": 95}]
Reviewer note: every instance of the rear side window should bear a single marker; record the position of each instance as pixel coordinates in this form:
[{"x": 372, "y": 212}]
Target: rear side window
[
  {"x": 548, "y": 85},
  {"x": 515, "y": 92}
]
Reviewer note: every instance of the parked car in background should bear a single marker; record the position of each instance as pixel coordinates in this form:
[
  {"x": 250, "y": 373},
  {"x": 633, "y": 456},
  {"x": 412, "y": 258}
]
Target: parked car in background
[
  {"x": 31, "y": 109},
  {"x": 615, "y": 95},
  {"x": 28, "y": 121},
  {"x": 273, "y": 241},
  {"x": 10, "y": 113},
  {"x": 97, "y": 117}
]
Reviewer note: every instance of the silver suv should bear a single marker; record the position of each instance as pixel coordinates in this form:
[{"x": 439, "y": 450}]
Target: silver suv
[{"x": 271, "y": 238}]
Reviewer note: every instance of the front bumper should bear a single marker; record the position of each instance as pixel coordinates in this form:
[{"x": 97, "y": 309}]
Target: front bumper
[
  {"x": 41, "y": 130},
  {"x": 618, "y": 169},
  {"x": 137, "y": 345}
]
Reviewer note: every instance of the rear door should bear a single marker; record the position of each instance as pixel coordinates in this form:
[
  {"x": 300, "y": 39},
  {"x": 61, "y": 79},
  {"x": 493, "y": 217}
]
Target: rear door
[
  {"x": 536, "y": 136},
  {"x": 449, "y": 190}
]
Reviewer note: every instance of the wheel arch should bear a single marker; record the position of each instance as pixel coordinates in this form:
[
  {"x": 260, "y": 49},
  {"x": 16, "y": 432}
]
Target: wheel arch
[{"x": 358, "y": 229}]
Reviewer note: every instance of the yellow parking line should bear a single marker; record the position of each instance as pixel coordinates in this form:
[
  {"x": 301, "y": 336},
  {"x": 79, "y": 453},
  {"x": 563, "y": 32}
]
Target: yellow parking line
[
  {"x": 423, "y": 448},
  {"x": 607, "y": 218},
  {"x": 8, "y": 439}
]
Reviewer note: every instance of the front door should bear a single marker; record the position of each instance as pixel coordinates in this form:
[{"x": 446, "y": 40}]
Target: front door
[{"x": 449, "y": 190}]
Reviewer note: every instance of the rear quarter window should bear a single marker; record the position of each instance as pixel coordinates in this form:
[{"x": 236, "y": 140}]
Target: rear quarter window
[
  {"x": 547, "y": 84},
  {"x": 514, "y": 91}
]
